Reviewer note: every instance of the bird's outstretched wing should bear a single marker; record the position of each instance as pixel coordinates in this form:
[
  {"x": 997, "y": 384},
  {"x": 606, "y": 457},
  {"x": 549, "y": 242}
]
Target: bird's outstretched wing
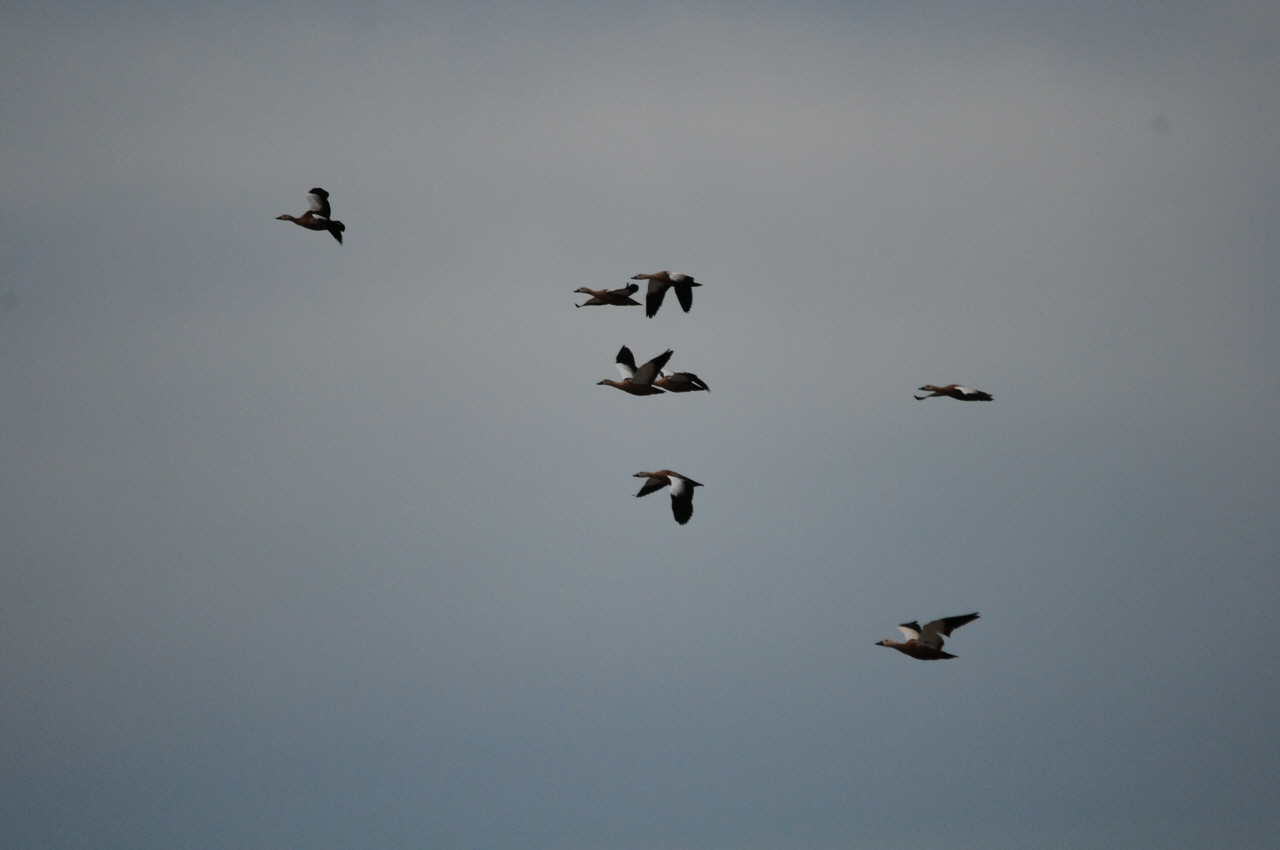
[
  {"x": 684, "y": 290},
  {"x": 682, "y": 504},
  {"x": 682, "y": 497},
  {"x": 933, "y": 632},
  {"x": 652, "y": 485},
  {"x": 626, "y": 362},
  {"x": 653, "y": 298},
  {"x": 646, "y": 373},
  {"x": 319, "y": 200}
]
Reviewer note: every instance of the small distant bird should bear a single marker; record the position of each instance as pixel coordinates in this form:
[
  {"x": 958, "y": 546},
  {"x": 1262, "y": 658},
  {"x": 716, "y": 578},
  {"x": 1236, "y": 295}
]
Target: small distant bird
[
  {"x": 954, "y": 391},
  {"x": 926, "y": 644},
  {"x": 681, "y": 382},
  {"x": 659, "y": 283},
  {"x": 317, "y": 218},
  {"x": 617, "y": 297},
  {"x": 638, "y": 381},
  {"x": 681, "y": 491}
]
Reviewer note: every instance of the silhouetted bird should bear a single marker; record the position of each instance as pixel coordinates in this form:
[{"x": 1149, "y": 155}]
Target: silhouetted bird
[
  {"x": 681, "y": 382},
  {"x": 637, "y": 381},
  {"x": 317, "y": 218},
  {"x": 659, "y": 283},
  {"x": 681, "y": 491},
  {"x": 953, "y": 391},
  {"x": 926, "y": 644},
  {"x": 617, "y": 297}
]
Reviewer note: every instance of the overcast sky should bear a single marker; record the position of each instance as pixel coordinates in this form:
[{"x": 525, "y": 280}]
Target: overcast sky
[{"x": 318, "y": 546}]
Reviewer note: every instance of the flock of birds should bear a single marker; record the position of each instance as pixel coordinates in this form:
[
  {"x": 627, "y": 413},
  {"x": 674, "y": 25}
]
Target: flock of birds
[{"x": 922, "y": 643}]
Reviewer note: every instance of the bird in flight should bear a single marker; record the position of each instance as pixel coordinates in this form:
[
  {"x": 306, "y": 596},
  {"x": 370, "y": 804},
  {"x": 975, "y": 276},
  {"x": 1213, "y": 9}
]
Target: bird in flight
[
  {"x": 317, "y": 217},
  {"x": 953, "y": 391},
  {"x": 681, "y": 382},
  {"x": 638, "y": 381},
  {"x": 617, "y": 297},
  {"x": 926, "y": 644},
  {"x": 659, "y": 283},
  {"x": 681, "y": 491}
]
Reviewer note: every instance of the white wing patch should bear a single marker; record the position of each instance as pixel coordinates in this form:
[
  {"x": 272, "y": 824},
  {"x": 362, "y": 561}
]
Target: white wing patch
[
  {"x": 627, "y": 371},
  {"x": 911, "y": 634},
  {"x": 678, "y": 486},
  {"x": 315, "y": 201},
  {"x": 967, "y": 391}
]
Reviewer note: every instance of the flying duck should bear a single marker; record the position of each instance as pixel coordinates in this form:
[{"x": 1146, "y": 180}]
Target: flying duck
[
  {"x": 317, "y": 218},
  {"x": 659, "y": 283},
  {"x": 681, "y": 382},
  {"x": 617, "y": 297},
  {"x": 954, "y": 391},
  {"x": 638, "y": 381},
  {"x": 681, "y": 491},
  {"x": 926, "y": 644}
]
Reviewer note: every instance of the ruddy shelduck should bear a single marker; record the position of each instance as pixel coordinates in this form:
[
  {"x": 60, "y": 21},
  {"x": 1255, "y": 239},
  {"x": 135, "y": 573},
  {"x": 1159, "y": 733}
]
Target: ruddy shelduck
[
  {"x": 681, "y": 382},
  {"x": 637, "y": 381},
  {"x": 318, "y": 217},
  {"x": 659, "y": 283},
  {"x": 681, "y": 491},
  {"x": 618, "y": 297},
  {"x": 953, "y": 391},
  {"x": 926, "y": 644}
]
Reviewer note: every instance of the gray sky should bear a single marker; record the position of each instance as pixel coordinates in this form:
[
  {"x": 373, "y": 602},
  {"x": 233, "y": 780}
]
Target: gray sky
[{"x": 321, "y": 546}]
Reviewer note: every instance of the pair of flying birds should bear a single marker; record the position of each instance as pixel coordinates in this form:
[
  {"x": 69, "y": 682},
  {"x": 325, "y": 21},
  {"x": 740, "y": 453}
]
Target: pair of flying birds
[
  {"x": 659, "y": 283},
  {"x": 651, "y": 378}
]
